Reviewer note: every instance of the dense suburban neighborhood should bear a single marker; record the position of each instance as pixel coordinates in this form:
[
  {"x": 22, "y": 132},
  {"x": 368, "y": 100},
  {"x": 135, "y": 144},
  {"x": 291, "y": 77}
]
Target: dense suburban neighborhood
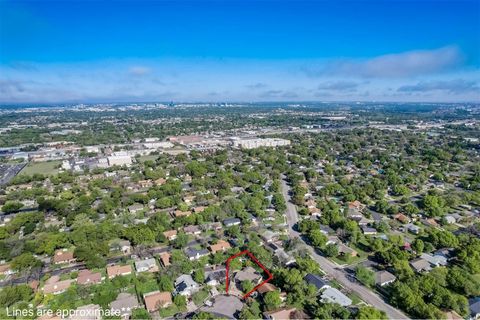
[{"x": 108, "y": 217}]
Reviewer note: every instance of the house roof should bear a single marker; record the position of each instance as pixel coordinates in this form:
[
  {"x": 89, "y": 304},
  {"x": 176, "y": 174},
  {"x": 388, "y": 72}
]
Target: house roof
[
  {"x": 453, "y": 315},
  {"x": 192, "y": 252},
  {"x": 334, "y": 295},
  {"x": 62, "y": 256},
  {"x": 185, "y": 278},
  {"x": 191, "y": 229},
  {"x": 147, "y": 263},
  {"x": 248, "y": 273},
  {"x": 436, "y": 259},
  {"x": 317, "y": 281},
  {"x": 474, "y": 306},
  {"x": 383, "y": 276},
  {"x": 155, "y": 300},
  {"x": 124, "y": 303},
  {"x": 420, "y": 264},
  {"x": 86, "y": 277},
  {"x": 89, "y": 311},
  {"x": 179, "y": 213},
  {"x": 116, "y": 270},
  {"x": 57, "y": 286},
  {"x": 170, "y": 233},
  {"x": 221, "y": 245},
  {"x": 266, "y": 287},
  {"x": 4, "y": 268},
  {"x": 217, "y": 275},
  {"x": 165, "y": 257},
  {"x": 231, "y": 221},
  {"x": 283, "y": 313}
]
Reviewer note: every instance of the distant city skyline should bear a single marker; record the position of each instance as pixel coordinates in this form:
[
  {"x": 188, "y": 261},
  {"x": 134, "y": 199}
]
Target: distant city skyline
[{"x": 118, "y": 51}]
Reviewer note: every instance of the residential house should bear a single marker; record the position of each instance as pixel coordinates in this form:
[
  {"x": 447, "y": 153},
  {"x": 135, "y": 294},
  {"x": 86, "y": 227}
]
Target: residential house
[
  {"x": 231, "y": 222},
  {"x": 146, "y": 265},
  {"x": 185, "y": 286},
  {"x": 221, "y": 245},
  {"x": 354, "y": 214},
  {"x": 452, "y": 315},
  {"x": 413, "y": 228},
  {"x": 135, "y": 208},
  {"x": 369, "y": 230},
  {"x": 383, "y": 278},
  {"x": 346, "y": 251},
  {"x": 333, "y": 295},
  {"x": 195, "y": 254},
  {"x": 63, "y": 256},
  {"x": 87, "y": 312},
  {"x": 159, "y": 181},
  {"x": 170, "y": 234},
  {"x": 474, "y": 306},
  {"x": 57, "y": 287},
  {"x": 431, "y": 223},
  {"x": 281, "y": 314},
  {"x": 6, "y": 270},
  {"x": 124, "y": 304},
  {"x": 121, "y": 245},
  {"x": 326, "y": 230},
  {"x": 156, "y": 300},
  {"x": 165, "y": 258},
  {"x": 215, "y": 277},
  {"x": 116, "y": 270},
  {"x": 87, "y": 277},
  {"x": 247, "y": 274},
  {"x": 269, "y": 236},
  {"x": 436, "y": 260},
  {"x": 198, "y": 209},
  {"x": 192, "y": 230},
  {"x": 450, "y": 219},
  {"x": 284, "y": 257},
  {"x": 180, "y": 213},
  {"x": 357, "y": 205},
  {"x": 402, "y": 218},
  {"x": 420, "y": 265},
  {"x": 267, "y": 287},
  {"x": 317, "y": 281}
]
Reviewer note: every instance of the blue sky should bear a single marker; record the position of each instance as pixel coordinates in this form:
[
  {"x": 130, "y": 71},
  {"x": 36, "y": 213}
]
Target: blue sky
[{"x": 61, "y": 51}]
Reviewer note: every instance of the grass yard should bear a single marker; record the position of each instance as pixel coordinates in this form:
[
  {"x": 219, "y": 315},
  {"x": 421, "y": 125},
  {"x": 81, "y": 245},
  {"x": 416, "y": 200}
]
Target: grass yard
[
  {"x": 148, "y": 157},
  {"x": 46, "y": 168}
]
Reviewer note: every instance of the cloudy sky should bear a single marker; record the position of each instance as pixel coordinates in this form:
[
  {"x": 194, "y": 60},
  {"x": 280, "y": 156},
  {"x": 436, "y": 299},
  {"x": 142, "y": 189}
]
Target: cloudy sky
[{"x": 88, "y": 51}]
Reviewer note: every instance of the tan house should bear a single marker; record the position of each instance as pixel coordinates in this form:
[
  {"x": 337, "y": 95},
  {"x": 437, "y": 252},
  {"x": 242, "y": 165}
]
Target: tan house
[
  {"x": 57, "y": 287},
  {"x": 114, "y": 271},
  {"x": 170, "y": 234},
  {"x": 221, "y": 245},
  {"x": 180, "y": 213},
  {"x": 165, "y": 259},
  {"x": 156, "y": 300},
  {"x": 86, "y": 277},
  {"x": 63, "y": 256},
  {"x": 198, "y": 209},
  {"x": 281, "y": 314}
]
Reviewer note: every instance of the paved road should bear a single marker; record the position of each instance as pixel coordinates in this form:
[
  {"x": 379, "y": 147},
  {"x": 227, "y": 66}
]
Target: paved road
[{"x": 332, "y": 269}]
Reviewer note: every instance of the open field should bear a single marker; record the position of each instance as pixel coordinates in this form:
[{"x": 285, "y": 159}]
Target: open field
[{"x": 47, "y": 168}]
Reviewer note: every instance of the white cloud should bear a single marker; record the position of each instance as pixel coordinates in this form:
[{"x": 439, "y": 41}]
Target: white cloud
[
  {"x": 457, "y": 86},
  {"x": 398, "y": 65}
]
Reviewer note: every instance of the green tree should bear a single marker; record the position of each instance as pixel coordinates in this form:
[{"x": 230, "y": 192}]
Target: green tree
[
  {"x": 140, "y": 314},
  {"x": 25, "y": 262},
  {"x": 272, "y": 300},
  {"x": 370, "y": 313},
  {"x": 365, "y": 276}
]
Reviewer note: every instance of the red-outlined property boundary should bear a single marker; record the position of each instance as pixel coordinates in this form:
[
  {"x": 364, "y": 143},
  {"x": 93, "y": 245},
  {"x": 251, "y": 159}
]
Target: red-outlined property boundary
[{"x": 248, "y": 253}]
